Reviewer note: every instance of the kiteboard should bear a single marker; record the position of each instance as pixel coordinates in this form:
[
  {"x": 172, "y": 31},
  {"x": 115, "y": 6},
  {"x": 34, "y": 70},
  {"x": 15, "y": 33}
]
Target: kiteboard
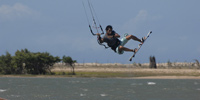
[{"x": 139, "y": 46}]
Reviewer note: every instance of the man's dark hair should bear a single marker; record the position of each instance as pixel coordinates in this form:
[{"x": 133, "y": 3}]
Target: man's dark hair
[{"x": 108, "y": 27}]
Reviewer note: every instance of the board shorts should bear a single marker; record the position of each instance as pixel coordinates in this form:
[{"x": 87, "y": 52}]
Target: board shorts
[{"x": 123, "y": 41}]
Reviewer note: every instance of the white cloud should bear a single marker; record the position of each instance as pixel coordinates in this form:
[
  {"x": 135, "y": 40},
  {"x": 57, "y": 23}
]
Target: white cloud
[
  {"x": 140, "y": 20},
  {"x": 18, "y": 10},
  {"x": 141, "y": 16},
  {"x": 137, "y": 20}
]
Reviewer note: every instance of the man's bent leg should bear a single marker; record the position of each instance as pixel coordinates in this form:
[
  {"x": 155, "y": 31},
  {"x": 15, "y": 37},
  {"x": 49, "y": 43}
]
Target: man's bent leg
[
  {"x": 133, "y": 38},
  {"x": 121, "y": 49}
]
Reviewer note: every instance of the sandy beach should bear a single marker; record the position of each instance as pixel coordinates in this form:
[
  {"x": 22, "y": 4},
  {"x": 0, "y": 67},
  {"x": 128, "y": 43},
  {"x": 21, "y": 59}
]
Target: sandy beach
[
  {"x": 184, "y": 71},
  {"x": 139, "y": 73}
]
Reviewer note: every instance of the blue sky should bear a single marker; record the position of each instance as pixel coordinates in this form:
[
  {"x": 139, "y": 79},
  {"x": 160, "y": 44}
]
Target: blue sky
[{"x": 60, "y": 28}]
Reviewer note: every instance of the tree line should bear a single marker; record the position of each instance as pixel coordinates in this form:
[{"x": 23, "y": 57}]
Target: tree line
[{"x": 26, "y": 62}]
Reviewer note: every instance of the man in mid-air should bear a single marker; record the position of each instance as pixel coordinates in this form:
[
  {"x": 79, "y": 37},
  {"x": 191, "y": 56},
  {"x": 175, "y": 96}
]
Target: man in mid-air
[{"x": 111, "y": 38}]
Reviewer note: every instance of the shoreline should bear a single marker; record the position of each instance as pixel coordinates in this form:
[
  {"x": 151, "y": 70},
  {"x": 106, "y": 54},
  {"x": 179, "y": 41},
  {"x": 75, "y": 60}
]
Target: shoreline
[
  {"x": 62, "y": 76},
  {"x": 123, "y": 73}
]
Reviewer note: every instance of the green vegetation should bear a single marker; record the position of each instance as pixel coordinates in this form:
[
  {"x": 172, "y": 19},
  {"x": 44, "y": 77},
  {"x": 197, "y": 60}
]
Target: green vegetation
[
  {"x": 68, "y": 61},
  {"x": 26, "y": 62}
]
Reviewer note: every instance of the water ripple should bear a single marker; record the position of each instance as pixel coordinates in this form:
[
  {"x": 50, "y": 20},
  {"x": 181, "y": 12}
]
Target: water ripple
[{"x": 2, "y": 90}]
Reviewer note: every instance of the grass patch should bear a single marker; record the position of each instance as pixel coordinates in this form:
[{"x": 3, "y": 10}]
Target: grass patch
[
  {"x": 91, "y": 74},
  {"x": 100, "y": 74},
  {"x": 115, "y": 74},
  {"x": 122, "y": 74}
]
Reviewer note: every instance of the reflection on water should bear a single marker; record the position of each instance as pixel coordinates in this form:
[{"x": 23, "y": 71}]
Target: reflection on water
[{"x": 98, "y": 89}]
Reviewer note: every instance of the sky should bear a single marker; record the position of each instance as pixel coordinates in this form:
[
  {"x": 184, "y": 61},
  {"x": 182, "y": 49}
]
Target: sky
[{"x": 60, "y": 27}]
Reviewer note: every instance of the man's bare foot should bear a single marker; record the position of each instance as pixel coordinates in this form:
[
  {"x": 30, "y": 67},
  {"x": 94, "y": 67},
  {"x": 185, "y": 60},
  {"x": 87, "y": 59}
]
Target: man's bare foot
[
  {"x": 143, "y": 39},
  {"x": 134, "y": 50}
]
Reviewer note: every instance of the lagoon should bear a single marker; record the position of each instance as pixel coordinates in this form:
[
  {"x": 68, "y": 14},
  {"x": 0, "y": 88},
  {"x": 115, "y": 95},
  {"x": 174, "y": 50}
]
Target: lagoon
[{"x": 33, "y": 88}]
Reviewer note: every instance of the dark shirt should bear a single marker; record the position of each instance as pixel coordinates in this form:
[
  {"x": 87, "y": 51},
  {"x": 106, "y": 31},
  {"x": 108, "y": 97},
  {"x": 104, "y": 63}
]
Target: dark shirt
[{"x": 112, "y": 42}]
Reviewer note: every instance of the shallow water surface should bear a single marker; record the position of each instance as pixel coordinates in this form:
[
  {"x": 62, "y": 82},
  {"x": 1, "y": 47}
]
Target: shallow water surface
[{"x": 98, "y": 89}]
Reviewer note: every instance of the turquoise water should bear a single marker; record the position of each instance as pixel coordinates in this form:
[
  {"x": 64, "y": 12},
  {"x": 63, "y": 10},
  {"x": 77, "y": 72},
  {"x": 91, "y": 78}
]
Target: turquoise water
[{"x": 98, "y": 89}]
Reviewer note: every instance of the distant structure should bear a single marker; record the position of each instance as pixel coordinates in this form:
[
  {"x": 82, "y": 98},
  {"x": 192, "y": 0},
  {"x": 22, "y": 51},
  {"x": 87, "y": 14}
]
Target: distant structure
[{"x": 152, "y": 62}]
